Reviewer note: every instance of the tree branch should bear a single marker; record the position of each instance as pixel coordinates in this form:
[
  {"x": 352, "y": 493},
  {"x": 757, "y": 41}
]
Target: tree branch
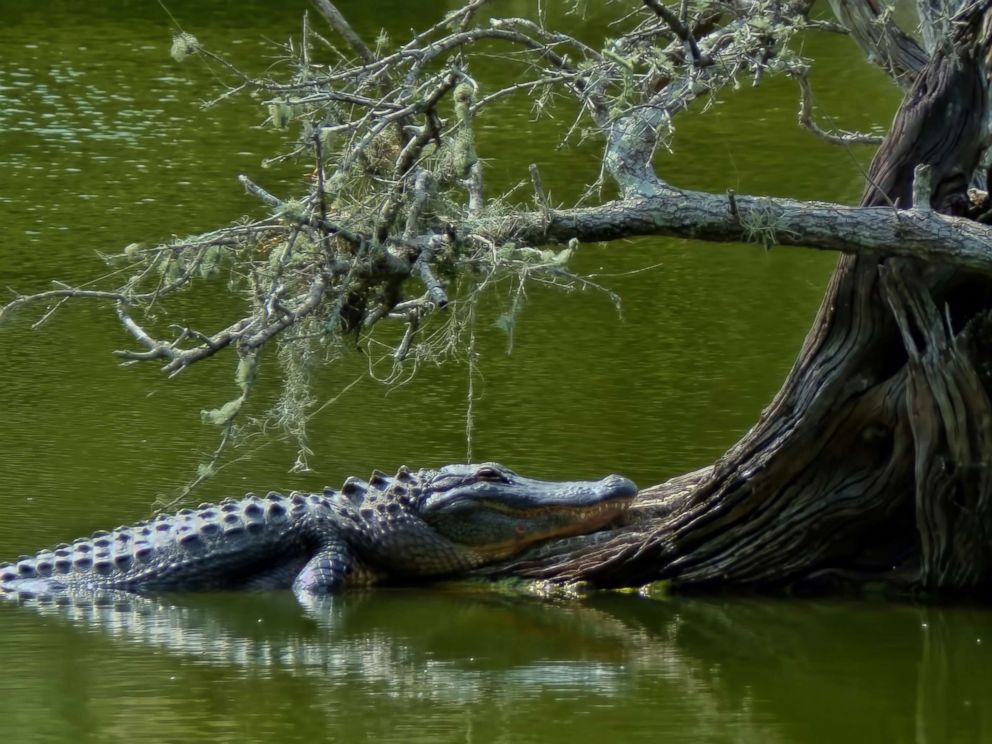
[
  {"x": 909, "y": 233},
  {"x": 337, "y": 21},
  {"x": 834, "y": 137},
  {"x": 680, "y": 30}
]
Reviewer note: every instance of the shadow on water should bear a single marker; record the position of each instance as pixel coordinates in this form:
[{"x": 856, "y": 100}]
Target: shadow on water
[{"x": 409, "y": 665}]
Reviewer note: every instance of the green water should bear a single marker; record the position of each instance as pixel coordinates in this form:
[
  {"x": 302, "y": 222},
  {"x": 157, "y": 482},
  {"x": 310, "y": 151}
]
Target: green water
[{"x": 101, "y": 144}]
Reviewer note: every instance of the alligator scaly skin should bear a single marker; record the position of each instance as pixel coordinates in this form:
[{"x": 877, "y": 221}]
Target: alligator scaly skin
[{"x": 414, "y": 524}]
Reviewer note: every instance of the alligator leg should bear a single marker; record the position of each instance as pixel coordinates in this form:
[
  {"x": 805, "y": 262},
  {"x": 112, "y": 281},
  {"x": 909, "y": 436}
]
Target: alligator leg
[{"x": 326, "y": 572}]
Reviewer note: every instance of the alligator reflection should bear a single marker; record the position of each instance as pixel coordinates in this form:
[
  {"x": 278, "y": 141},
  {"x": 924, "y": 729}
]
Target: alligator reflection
[{"x": 770, "y": 671}]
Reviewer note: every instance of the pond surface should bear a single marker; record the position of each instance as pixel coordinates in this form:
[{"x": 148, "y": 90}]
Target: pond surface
[{"x": 102, "y": 143}]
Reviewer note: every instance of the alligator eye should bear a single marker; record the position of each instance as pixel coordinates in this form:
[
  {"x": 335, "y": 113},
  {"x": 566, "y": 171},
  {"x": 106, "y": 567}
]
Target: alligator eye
[{"x": 489, "y": 474}]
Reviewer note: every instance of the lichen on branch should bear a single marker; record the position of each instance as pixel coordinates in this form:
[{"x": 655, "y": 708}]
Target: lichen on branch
[{"x": 396, "y": 236}]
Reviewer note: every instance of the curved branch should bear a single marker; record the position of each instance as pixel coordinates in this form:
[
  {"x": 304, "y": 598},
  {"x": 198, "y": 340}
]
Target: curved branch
[{"x": 834, "y": 137}]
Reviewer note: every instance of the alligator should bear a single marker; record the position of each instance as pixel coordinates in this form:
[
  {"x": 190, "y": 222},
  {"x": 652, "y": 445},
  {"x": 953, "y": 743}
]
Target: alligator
[{"x": 429, "y": 523}]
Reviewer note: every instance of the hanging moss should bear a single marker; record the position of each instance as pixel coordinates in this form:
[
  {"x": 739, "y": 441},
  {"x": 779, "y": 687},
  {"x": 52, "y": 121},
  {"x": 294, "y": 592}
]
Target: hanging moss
[
  {"x": 463, "y": 154},
  {"x": 223, "y": 415},
  {"x": 209, "y": 267},
  {"x": 183, "y": 45},
  {"x": 280, "y": 113},
  {"x": 245, "y": 375}
]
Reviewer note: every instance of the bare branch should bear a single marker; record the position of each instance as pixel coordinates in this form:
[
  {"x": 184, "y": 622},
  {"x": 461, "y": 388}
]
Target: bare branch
[
  {"x": 680, "y": 30},
  {"x": 337, "y": 21},
  {"x": 435, "y": 290},
  {"x": 834, "y": 137},
  {"x": 909, "y": 233}
]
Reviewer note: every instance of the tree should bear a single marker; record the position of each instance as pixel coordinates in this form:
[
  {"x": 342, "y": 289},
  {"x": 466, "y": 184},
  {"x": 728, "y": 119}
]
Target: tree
[{"x": 869, "y": 464}]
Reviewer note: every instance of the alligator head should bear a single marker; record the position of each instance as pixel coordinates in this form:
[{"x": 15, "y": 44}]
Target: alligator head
[{"x": 493, "y": 512}]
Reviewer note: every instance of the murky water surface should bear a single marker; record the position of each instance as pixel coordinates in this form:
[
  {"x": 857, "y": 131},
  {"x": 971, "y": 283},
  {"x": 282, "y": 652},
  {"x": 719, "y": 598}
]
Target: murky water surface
[{"x": 102, "y": 143}]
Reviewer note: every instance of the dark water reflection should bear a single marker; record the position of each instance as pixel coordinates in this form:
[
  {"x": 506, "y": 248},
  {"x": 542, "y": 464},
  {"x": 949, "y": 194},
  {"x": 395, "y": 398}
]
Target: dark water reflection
[{"x": 470, "y": 666}]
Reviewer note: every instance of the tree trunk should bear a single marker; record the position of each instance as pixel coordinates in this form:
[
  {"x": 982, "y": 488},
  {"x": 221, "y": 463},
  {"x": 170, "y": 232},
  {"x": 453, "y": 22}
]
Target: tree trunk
[{"x": 870, "y": 464}]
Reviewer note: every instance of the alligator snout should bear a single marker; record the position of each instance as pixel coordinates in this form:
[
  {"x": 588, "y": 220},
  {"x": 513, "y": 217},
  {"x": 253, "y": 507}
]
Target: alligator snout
[{"x": 619, "y": 486}]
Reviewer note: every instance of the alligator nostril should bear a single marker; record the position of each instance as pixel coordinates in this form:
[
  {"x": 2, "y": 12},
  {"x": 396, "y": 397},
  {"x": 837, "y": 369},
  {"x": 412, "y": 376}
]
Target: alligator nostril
[{"x": 624, "y": 486}]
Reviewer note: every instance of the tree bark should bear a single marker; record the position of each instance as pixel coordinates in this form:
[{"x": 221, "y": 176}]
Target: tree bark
[{"x": 871, "y": 463}]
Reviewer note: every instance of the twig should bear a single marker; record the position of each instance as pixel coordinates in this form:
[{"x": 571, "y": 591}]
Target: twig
[
  {"x": 836, "y": 137},
  {"x": 156, "y": 349},
  {"x": 312, "y": 220},
  {"x": 337, "y": 21},
  {"x": 542, "y": 197},
  {"x": 732, "y": 197},
  {"x": 412, "y": 324},
  {"x": 423, "y": 266},
  {"x": 421, "y": 194},
  {"x": 473, "y": 184},
  {"x": 680, "y": 30},
  {"x": 922, "y": 188}
]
